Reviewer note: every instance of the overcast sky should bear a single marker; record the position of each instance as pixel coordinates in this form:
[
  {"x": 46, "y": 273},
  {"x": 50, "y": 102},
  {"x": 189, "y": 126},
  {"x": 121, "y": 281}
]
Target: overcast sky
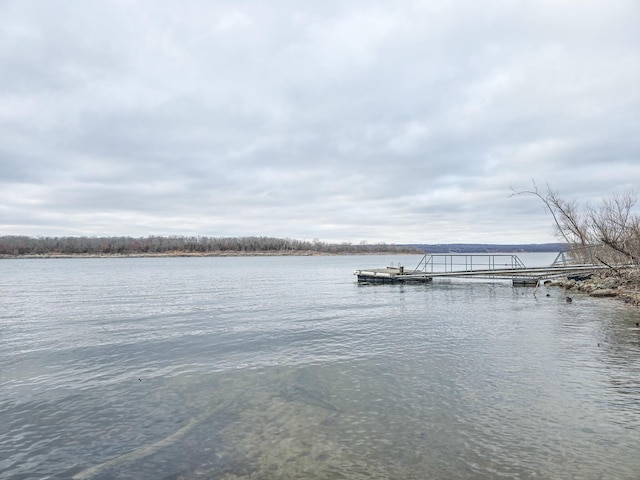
[{"x": 378, "y": 121}]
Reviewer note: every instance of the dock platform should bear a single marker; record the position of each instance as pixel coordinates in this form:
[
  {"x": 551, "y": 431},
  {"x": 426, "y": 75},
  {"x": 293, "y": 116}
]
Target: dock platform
[
  {"x": 392, "y": 275},
  {"x": 501, "y": 266}
]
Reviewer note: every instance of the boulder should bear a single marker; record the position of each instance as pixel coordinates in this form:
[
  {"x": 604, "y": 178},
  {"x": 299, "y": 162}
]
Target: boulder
[
  {"x": 604, "y": 292},
  {"x": 609, "y": 283},
  {"x": 587, "y": 287}
]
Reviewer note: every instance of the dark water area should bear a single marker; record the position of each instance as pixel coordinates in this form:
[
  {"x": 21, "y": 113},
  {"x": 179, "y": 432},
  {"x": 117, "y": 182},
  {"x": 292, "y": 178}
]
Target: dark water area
[{"x": 285, "y": 367}]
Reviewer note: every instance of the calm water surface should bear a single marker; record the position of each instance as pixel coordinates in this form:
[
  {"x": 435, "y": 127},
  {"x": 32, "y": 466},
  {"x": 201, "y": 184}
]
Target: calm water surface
[{"x": 277, "y": 368}]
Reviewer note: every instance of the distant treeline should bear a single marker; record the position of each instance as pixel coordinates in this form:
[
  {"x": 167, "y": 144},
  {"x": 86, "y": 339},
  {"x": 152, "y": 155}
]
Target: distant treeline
[
  {"x": 490, "y": 248},
  {"x": 23, "y": 245}
]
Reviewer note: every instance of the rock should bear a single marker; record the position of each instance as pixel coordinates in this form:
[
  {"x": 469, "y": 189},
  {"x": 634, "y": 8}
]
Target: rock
[
  {"x": 584, "y": 287},
  {"x": 623, "y": 286},
  {"x": 604, "y": 292},
  {"x": 630, "y": 297},
  {"x": 609, "y": 283}
]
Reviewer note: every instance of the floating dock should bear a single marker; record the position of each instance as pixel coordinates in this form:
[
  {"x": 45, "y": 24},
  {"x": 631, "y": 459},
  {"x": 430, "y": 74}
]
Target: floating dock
[
  {"x": 392, "y": 275},
  {"x": 503, "y": 266}
]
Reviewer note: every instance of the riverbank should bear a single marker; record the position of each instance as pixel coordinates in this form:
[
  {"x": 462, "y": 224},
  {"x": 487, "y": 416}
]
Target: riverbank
[
  {"x": 622, "y": 285},
  {"x": 225, "y": 253},
  {"x": 220, "y": 253}
]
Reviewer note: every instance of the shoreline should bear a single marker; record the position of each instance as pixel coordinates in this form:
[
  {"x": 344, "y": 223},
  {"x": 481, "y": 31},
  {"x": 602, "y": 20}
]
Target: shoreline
[
  {"x": 221, "y": 253},
  {"x": 622, "y": 286}
]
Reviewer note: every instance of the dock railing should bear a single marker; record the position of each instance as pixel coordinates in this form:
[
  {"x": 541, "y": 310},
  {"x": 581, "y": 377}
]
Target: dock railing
[
  {"x": 577, "y": 256},
  {"x": 448, "y": 263},
  {"x": 598, "y": 254}
]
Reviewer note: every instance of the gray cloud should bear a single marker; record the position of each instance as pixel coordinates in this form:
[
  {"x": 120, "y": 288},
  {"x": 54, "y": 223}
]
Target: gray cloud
[{"x": 396, "y": 122}]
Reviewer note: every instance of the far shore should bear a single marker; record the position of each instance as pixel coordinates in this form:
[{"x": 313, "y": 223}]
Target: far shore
[{"x": 225, "y": 253}]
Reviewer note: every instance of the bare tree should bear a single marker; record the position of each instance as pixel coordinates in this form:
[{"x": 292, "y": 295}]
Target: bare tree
[
  {"x": 611, "y": 230},
  {"x": 615, "y": 225},
  {"x": 569, "y": 222}
]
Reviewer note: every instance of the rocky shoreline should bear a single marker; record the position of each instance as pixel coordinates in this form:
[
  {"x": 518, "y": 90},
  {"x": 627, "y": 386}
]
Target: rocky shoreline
[{"x": 622, "y": 285}]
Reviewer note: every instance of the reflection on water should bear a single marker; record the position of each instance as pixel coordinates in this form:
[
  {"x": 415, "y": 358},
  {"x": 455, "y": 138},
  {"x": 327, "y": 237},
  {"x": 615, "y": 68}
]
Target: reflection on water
[{"x": 170, "y": 373}]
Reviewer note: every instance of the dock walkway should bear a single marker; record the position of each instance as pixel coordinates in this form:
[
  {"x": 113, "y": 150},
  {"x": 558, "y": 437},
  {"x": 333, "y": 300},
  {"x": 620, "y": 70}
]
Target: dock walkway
[{"x": 503, "y": 266}]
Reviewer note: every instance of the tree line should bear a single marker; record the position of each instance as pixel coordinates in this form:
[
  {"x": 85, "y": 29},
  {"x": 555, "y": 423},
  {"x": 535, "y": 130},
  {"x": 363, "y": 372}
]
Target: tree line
[{"x": 15, "y": 245}]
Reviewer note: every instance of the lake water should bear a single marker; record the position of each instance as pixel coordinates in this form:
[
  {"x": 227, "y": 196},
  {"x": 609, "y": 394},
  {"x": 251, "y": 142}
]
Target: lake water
[{"x": 286, "y": 368}]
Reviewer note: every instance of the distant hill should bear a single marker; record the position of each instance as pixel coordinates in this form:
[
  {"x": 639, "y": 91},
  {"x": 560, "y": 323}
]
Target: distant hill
[{"x": 488, "y": 248}]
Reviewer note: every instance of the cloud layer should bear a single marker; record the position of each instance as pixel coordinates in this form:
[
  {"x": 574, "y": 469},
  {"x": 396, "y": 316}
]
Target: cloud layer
[{"x": 344, "y": 121}]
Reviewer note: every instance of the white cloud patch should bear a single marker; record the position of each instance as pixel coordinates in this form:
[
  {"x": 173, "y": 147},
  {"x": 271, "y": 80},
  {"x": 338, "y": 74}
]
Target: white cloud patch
[{"x": 399, "y": 122}]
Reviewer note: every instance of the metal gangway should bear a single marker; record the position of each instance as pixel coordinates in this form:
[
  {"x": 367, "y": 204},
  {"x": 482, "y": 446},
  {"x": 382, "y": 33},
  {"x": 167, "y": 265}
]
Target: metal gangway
[
  {"x": 506, "y": 266},
  {"x": 462, "y": 263}
]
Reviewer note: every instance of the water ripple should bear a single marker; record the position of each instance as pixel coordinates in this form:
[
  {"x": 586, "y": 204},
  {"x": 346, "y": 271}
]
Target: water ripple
[{"x": 284, "y": 368}]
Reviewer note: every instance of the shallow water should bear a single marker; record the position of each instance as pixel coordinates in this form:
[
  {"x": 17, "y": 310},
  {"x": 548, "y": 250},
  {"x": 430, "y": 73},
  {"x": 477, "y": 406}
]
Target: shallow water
[{"x": 259, "y": 368}]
